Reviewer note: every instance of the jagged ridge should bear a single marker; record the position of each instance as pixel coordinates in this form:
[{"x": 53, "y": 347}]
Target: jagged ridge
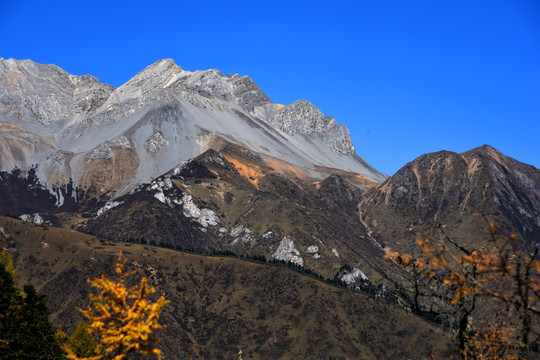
[{"x": 114, "y": 139}]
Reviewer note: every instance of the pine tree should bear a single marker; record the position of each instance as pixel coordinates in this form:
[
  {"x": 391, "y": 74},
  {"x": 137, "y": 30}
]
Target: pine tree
[
  {"x": 9, "y": 296},
  {"x": 25, "y": 329},
  {"x": 82, "y": 342}
]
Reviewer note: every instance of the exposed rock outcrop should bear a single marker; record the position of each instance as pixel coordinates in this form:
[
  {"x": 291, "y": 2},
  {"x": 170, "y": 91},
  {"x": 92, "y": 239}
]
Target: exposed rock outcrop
[
  {"x": 35, "y": 219},
  {"x": 155, "y": 143},
  {"x": 302, "y": 117},
  {"x": 205, "y": 217},
  {"x": 105, "y": 151},
  {"x": 241, "y": 233},
  {"x": 354, "y": 276},
  {"x": 287, "y": 251}
]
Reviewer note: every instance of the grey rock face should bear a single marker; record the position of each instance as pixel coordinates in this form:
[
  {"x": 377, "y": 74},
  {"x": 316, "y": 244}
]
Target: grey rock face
[
  {"x": 104, "y": 151},
  {"x": 247, "y": 93},
  {"x": 109, "y": 205},
  {"x": 353, "y": 276},
  {"x": 205, "y": 217},
  {"x": 302, "y": 117},
  {"x": 242, "y": 233},
  {"x": 155, "y": 143},
  {"x": 46, "y": 94}
]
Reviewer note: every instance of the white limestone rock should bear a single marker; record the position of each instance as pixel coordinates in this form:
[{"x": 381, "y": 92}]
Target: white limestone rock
[
  {"x": 161, "y": 197},
  {"x": 204, "y": 217},
  {"x": 237, "y": 230},
  {"x": 287, "y": 251},
  {"x": 215, "y": 160},
  {"x": 108, "y": 205},
  {"x": 242, "y": 233},
  {"x": 35, "y": 219},
  {"x": 102, "y": 151},
  {"x": 167, "y": 183},
  {"x": 208, "y": 217},
  {"x": 335, "y": 252},
  {"x": 38, "y": 220},
  {"x": 354, "y": 276},
  {"x": 190, "y": 209},
  {"x": 313, "y": 249},
  {"x": 121, "y": 142},
  {"x": 26, "y": 217}
]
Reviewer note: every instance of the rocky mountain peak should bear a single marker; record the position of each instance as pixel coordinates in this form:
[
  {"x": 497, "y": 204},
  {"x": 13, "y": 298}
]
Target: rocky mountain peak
[
  {"x": 28, "y": 67},
  {"x": 443, "y": 186},
  {"x": 164, "y": 115},
  {"x": 163, "y": 65},
  {"x": 224, "y": 91},
  {"x": 247, "y": 93},
  {"x": 33, "y": 94},
  {"x": 302, "y": 117},
  {"x": 233, "y": 89},
  {"x": 450, "y": 172},
  {"x": 154, "y": 77},
  {"x": 487, "y": 153}
]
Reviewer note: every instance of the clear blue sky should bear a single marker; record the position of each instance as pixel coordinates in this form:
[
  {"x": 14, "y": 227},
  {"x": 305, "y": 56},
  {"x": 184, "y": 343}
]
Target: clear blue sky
[{"x": 406, "y": 77}]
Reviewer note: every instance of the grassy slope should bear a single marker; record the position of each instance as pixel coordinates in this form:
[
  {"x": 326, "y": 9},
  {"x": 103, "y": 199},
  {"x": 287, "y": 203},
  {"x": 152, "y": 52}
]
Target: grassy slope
[
  {"x": 243, "y": 191},
  {"x": 220, "y": 305}
]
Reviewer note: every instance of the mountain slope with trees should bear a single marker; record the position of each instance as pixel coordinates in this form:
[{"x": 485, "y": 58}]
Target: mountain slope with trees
[{"x": 220, "y": 305}]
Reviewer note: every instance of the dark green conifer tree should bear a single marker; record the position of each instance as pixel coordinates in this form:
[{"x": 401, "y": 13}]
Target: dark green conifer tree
[
  {"x": 82, "y": 342},
  {"x": 25, "y": 329},
  {"x": 9, "y": 297}
]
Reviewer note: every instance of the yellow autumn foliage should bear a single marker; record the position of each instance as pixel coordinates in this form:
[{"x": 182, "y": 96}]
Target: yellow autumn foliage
[{"x": 122, "y": 318}]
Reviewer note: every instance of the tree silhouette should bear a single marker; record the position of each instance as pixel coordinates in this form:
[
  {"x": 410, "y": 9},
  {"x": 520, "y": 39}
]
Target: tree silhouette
[{"x": 25, "y": 329}]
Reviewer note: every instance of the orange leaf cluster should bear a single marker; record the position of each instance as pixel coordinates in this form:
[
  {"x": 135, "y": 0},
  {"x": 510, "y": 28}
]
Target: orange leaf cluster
[
  {"x": 497, "y": 271},
  {"x": 494, "y": 342}
]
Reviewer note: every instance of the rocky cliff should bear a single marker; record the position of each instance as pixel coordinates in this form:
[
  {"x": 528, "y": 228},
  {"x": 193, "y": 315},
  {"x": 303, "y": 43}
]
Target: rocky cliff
[{"x": 302, "y": 117}]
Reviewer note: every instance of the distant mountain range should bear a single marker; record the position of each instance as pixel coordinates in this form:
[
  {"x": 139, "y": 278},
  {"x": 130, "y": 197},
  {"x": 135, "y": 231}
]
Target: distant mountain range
[{"x": 205, "y": 162}]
